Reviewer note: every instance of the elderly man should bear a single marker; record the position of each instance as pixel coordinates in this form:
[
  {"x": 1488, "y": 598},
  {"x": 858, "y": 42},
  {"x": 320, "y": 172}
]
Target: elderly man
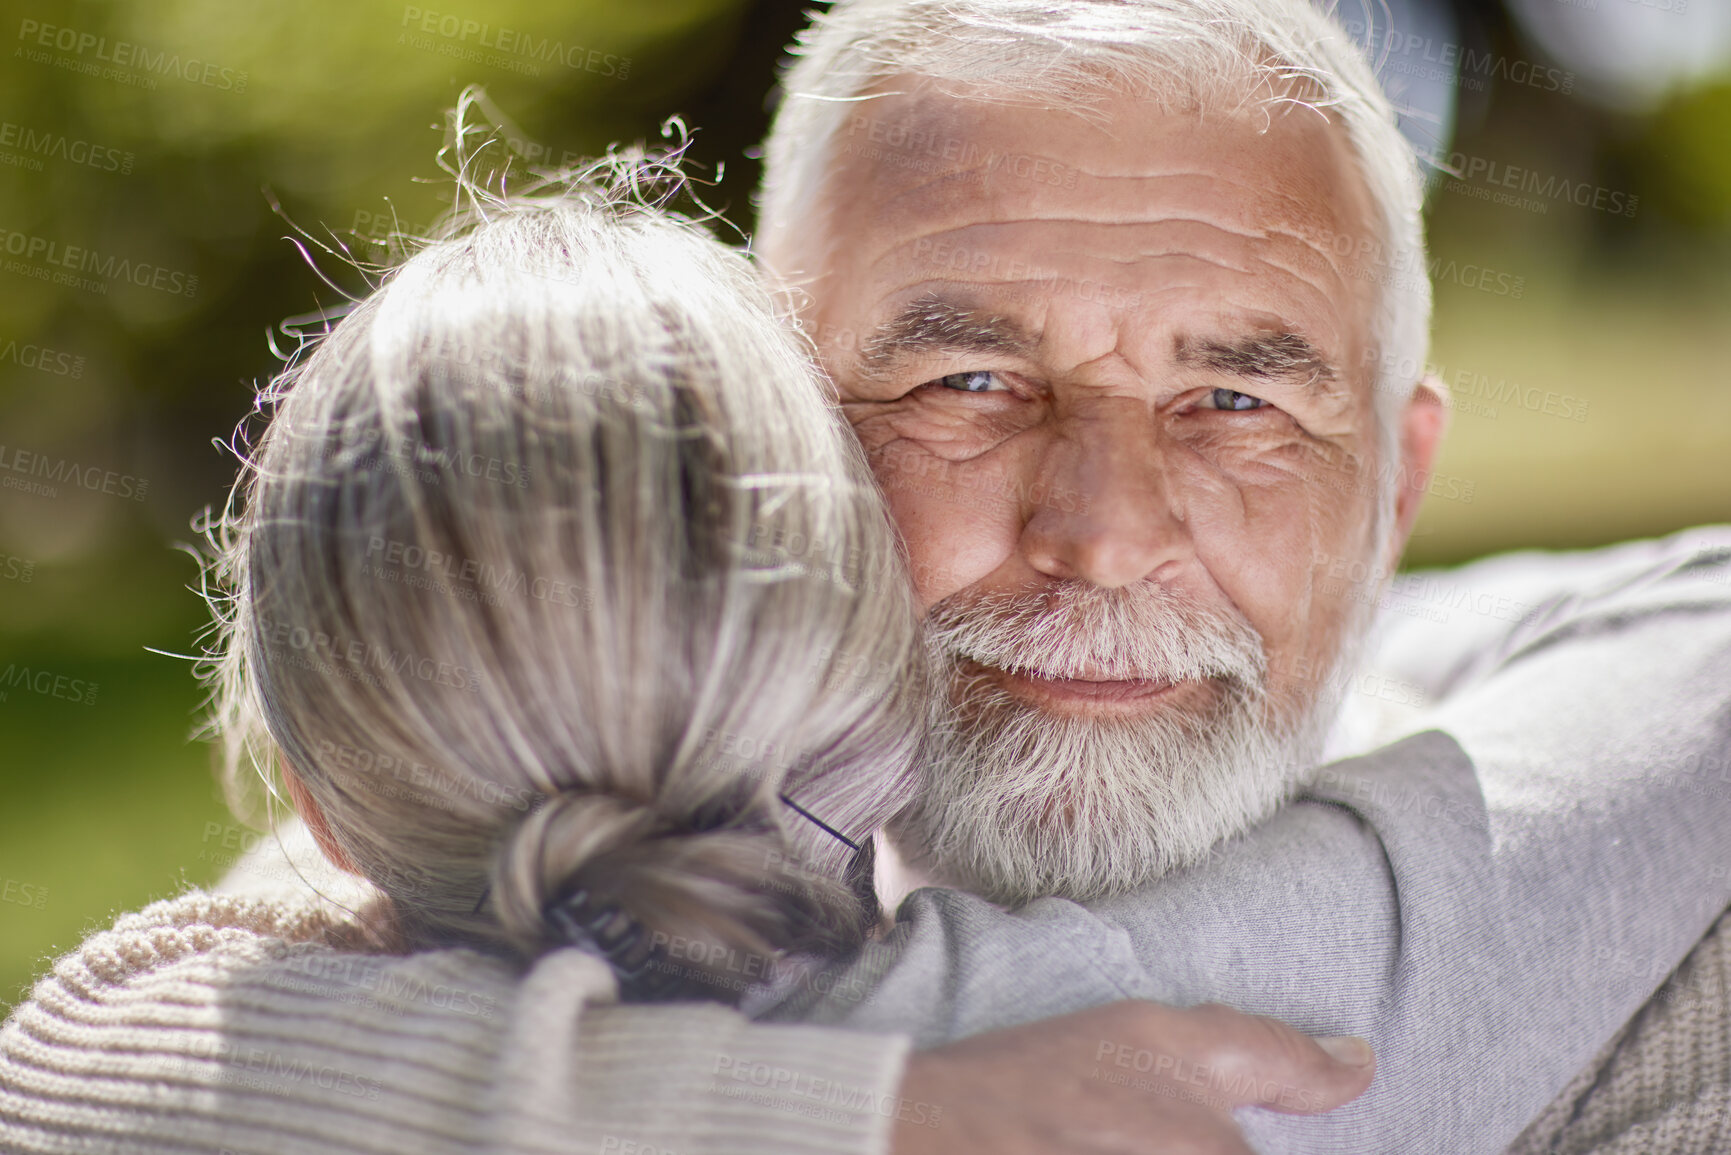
[
  {"x": 1110, "y": 292},
  {"x": 1114, "y": 296},
  {"x": 1105, "y": 297}
]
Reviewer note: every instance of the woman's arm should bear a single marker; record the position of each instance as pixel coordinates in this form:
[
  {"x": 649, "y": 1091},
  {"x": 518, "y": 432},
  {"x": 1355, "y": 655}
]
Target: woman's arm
[{"x": 224, "y": 1023}]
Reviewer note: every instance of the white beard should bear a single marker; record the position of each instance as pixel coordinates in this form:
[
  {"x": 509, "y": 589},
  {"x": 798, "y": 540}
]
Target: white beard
[{"x": 1021, "y": 803}]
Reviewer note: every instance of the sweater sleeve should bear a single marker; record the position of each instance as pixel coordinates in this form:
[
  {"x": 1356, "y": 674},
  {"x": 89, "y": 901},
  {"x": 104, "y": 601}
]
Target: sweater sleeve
[
  {"x": 220, "y": 1023},
  {"x": 1442, "y": 630}
]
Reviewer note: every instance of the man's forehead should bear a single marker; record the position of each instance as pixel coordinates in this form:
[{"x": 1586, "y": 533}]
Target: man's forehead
[
  {"x": 916, "y": 152},
  {"x": 1153, "y": 217}
]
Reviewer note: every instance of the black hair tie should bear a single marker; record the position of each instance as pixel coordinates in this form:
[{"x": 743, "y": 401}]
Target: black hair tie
[{"x": 607, "y": 932}]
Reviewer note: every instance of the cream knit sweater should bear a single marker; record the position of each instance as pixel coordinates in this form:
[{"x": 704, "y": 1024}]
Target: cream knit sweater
[{"x": 256, "y": 1026}]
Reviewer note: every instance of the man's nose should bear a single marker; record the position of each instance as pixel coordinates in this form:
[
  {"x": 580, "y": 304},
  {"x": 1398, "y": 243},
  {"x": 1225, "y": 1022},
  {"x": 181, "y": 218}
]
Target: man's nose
[{"x": 1105, "y": 511}]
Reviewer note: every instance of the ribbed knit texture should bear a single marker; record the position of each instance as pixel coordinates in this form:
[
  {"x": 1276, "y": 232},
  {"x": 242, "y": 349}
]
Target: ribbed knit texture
[
  {"x": 217, "y": 1023},
  {"x": 1663, "y": 1086}
]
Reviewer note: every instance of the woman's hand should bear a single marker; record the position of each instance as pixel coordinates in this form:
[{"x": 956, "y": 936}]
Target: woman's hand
[{"x": 1124, "y": 1078}]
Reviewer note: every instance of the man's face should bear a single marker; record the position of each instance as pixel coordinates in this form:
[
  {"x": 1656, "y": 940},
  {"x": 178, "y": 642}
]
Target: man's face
[{"x": 1116, "y": 384}]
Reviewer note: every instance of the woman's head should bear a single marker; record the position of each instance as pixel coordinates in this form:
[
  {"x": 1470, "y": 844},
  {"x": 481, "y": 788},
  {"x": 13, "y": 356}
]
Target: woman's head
[{"x": 552, "y": 570}]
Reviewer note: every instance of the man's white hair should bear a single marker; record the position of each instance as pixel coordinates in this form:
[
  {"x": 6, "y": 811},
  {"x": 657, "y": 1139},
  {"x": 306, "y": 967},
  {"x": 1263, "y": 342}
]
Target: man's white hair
[{"x": 1179, "y": 53}]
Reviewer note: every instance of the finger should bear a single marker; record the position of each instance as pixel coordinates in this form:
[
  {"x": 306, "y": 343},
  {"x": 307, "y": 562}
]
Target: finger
[{"x": 1263, "y": 1062}]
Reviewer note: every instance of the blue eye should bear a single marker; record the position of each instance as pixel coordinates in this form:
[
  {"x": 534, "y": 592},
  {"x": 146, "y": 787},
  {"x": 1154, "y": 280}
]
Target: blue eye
[
  {"x": 976, "y": 381},
  {"x": 1232, "y": 399}
]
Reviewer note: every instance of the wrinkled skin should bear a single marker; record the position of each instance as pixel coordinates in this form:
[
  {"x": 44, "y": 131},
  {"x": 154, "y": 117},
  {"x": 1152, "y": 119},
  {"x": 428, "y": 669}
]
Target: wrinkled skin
[{"x": 1152, "y": 364}]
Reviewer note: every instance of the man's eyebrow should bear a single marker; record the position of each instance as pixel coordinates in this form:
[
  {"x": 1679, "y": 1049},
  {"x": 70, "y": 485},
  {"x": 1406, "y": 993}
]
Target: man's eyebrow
[
  {"x": 1285, "y": 357},
  {"x": 933, "y": 324}
]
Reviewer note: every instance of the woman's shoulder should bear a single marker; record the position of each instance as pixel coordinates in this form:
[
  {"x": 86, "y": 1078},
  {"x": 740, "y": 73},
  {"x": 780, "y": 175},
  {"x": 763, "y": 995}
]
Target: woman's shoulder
[
  {"x": 253, "y": 1024},
  {"x": 229, "y": 927}
]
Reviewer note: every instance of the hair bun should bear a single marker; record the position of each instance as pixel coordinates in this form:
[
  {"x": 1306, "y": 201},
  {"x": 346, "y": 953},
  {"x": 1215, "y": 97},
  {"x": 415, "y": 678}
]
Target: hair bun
[{"x": 670, "y": 907}]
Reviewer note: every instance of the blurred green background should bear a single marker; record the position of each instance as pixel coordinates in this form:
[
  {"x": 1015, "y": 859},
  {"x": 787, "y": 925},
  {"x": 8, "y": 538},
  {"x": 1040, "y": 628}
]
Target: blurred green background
[{"x": 159, "y": 134}]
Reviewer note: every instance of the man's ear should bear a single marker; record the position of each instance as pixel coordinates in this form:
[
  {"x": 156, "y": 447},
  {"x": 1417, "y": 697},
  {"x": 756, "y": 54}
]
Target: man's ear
[
  {"x": 1422, "y": 424},
  {"x": 315, "y": 820}
]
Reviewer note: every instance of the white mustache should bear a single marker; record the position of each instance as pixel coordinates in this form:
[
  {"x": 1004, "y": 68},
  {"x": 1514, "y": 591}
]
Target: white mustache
[{"x": 1078, "y": 630}]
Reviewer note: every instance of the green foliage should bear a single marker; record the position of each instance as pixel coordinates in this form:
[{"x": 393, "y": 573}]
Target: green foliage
[{"x": 1689, "y": 150}]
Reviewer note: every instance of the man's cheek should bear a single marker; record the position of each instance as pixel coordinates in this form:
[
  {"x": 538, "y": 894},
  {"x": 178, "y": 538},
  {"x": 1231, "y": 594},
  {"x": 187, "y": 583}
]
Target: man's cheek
[
  {"x": 944, "y": 556},
  {"x": 959, "y": 520},
  {"x": 1261, "y": 544}
]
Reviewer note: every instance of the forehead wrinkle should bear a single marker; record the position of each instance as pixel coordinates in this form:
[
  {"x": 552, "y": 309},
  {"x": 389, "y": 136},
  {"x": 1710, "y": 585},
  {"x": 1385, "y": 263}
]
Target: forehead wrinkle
[
  {"x": 1257, "y": 255},
  {"x": 931, "y": 182},
  {"x": 1265, "y": 204},
  {"x": 1286, "y": 211},
  {"x": 1343, "y": 265},
  {"x": 1108, "y": 257}
]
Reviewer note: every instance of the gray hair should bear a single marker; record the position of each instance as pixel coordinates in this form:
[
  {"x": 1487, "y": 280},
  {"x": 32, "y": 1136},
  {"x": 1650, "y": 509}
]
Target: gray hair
[
  {"x": 1178, "y": 53},
  {"x": 553, "y": 570}
]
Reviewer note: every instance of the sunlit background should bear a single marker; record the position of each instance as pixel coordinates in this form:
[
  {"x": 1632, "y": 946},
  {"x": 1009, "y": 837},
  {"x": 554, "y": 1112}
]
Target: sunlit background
[{"x": 1582, "y": 248}]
